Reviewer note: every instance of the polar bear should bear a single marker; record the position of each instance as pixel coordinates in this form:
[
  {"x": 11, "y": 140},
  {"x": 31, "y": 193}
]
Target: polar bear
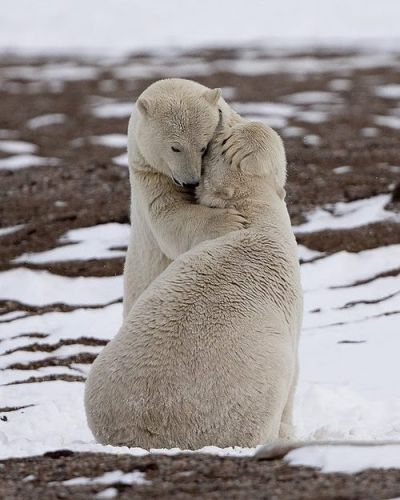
[
  {"x": 172, "y": 124},
  {"x": 208, "y": 353}
]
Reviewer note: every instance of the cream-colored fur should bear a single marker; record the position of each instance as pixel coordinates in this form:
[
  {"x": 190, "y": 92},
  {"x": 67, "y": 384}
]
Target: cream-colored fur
[
  {"x": 173, "y": 122},
  {"x": 208, "y": 352}
]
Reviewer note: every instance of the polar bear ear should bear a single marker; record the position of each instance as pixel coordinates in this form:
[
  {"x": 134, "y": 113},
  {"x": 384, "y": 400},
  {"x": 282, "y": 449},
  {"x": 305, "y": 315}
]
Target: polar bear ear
[
  {"x": 212, "y": 95},
  {"x": 143, "y": 105}
]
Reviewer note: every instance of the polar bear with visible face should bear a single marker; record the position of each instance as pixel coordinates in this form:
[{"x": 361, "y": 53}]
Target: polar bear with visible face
[
  {"x": 208, "y": 353},
  {"x": 173, "y": 122}
]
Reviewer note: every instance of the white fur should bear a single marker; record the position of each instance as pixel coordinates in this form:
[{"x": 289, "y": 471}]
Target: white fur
[
  {"x": 166, "y": 222},
  {"x": 208, "y": 353}
]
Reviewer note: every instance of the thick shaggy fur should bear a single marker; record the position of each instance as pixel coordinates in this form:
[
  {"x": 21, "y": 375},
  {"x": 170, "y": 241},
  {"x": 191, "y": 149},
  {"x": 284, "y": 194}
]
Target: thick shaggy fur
[
  {"x": 172, "y": 124},
  {"x": 208, "y": 353}
]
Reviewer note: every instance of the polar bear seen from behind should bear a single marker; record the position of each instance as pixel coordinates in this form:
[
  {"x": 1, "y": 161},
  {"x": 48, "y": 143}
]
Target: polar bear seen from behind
[{"x": 208, "y": 353}]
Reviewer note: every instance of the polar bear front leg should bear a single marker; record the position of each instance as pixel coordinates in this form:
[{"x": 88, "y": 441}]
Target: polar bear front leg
[{"x": 178, "y": 224}]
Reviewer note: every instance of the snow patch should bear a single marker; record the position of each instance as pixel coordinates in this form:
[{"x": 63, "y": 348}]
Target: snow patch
[
  {"x": 4, "y": 231},
  {"x": 42, "y": 287},
  {"x": 346, "y": 215},
  {"x": 17, "y": 147},
  {"x": 46, "y": 120},
  {"x": 121, "y": 160},
  {"x": 348, "y": 459},
  {"x": 95, "y": 242},
  {"x": 113, "y": 110},
  {"x": 390, "y": 91},
  {"x": 312, "y": 97},
  {"x": 113, "y": 477},
  {"x": 26, "y": 160},
  {"x": 388, "y": 121}
]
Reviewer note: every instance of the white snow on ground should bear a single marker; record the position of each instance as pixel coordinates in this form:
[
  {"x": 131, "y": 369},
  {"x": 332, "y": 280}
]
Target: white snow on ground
[
  {"x": 84, "y": 322},
  {"x": 46, "y": 120},
  {"x": 339, "y": 395},
  {"x": 388, "y": 121},
  {"x": 86, "y": 243},
  {"x": 4, "y": 231},
  {"x": 17, "y": 162},
  {"x": 369, "y": 131},
  {"x": 277, "y": 114},
  {"x": 348, "y": 351},
  {"x": 110, "y": 140},
  {"x": 134, "y": 25},
  {"x": 340, "y": 84},
  {"x": 16, "y": 147},
  {"x": 348, "y": 215},
  {"x": 312, "y": 97},
  {"x": 343, "y": 169},
  {"x": 312, "y": 140},
  {"x": 42, "y": 287},
  {"x": 116, "y": 476},
  {"x": 348, "y": 459},
  {"x": 113, "y": 110},
  {"x": 391, "y": 91},
  {"x": 305, "y": 254},
  {"x": 121, "y": 160},
  {"x": 62, "y": 71},
  {"x": 345, "y": 268}
]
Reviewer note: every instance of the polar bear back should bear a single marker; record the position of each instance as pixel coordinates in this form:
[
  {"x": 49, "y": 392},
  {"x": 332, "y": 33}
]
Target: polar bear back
[{"x": 206, "y": 353}]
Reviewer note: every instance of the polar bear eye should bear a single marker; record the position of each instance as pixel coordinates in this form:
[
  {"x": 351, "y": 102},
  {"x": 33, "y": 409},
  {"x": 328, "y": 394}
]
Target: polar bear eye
[{"x": 175, "y": 150}]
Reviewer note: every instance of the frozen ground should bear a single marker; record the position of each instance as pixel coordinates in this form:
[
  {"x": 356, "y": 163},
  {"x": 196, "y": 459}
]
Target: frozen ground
[
  {"x": 64, "y": 232},
  {"x": 136, "y": 25}
]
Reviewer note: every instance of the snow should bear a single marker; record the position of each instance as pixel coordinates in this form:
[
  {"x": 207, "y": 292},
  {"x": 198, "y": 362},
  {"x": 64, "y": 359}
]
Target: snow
[
  {"x": 312, "y": 97},
  {"x": 388, "y": 121},
  {"x": 348, "y": 215},
  {"x": 42, "y": 287},
  {"x": 339, "y": 396},
  {"x": 345, "y": 268},
  {"x": 339, "y": 84},
  {"x": 51, "y": 72},
  {"x": 115, "y": 476},
  {"x": 113, "y": 110},
  {"x": 46, "y": 120},
  {"x": 391, "y": 91},
  {"x": 293, "y": 132},
  {"x": 133, "y": 25},
  {"x": 312, "y": 116},
  {"x": 85, "y": 243},
  {"x": 312, "y": 140},
  {"x": 4, "y": 231},
  {"x": 347, "y": 459},
  {"x": 121, "y": 160},
  {"x": 350, "y": 341},
  {"x": 16, "y": 147},
  {"x": 345, "y": 169},
  {"x": 110, "y": 140},
  {"x": 264, "y": 108},
  {"x": 26, "y": 160},
  {"x": 107, "y": 493}
]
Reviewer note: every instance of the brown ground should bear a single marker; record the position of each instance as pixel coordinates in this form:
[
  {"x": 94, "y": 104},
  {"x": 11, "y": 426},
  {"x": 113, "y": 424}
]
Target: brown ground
[
  {"x": 189, "y": 476},
  {"x": 88, "y": 189}
]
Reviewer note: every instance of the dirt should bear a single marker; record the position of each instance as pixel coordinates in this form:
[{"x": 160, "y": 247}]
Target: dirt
[{"x": 188, "y": 476}]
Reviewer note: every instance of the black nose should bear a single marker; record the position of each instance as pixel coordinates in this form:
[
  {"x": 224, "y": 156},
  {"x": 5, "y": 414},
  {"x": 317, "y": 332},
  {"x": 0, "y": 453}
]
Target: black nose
[{"x": 190, "y": 185}]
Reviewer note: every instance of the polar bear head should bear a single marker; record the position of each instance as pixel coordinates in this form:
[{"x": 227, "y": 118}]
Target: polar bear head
[
  {"x": 173, "y": 123},
  {"x": 243, "y": 162}
]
